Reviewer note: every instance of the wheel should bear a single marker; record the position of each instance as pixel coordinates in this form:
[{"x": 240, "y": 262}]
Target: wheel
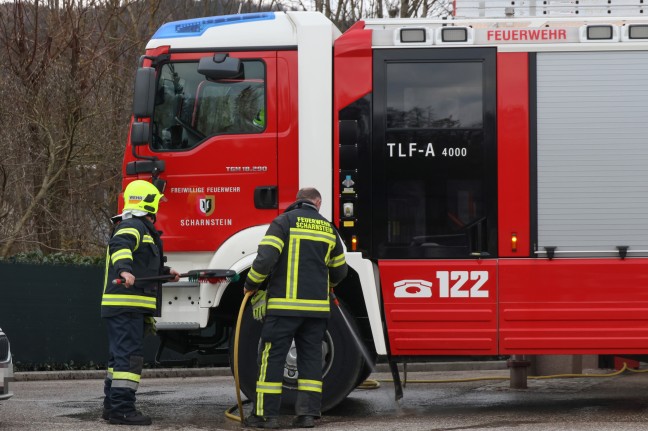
[
  {"x": 342, "y": 364},
  {"x": 365, "y": 372}
]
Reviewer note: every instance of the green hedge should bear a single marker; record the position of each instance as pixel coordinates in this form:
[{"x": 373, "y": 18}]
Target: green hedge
[{"x": 60, "y": 258}]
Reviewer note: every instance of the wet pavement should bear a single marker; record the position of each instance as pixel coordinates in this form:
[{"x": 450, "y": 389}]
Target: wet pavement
[{"x": 199, "y": 403}]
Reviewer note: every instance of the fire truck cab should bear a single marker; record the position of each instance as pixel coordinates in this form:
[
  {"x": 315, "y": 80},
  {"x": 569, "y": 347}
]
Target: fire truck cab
[{"x": 487, "y": 176}]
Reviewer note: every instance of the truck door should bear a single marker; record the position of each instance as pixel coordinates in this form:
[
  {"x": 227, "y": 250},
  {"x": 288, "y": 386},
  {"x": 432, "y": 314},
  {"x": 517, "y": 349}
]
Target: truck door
[
  {"x": 434, "y": 197},
  {"x": 219, "y": 141}
]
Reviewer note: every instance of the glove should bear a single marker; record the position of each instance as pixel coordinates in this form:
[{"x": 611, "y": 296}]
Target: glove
[
  {"x": 259, "y": 305},
  {"x": 149, "y": 325}
]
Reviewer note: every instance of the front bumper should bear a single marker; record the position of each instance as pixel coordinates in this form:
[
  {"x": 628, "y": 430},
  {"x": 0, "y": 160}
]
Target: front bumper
[
  {"x": 6, "y": 380},
  {"x": 6, "y": 368}
]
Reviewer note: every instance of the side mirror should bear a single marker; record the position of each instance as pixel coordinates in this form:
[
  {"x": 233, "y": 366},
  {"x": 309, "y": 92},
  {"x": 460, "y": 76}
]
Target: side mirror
[
  {"x": 144, "y": 95},
  {"x": 220, "y": 66},
  {"x": 140, "y": 133}
]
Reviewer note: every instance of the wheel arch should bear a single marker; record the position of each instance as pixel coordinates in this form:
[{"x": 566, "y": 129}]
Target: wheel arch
[
  {"x": 237, "y": 254},
  {"x": 360, "y": 291}
]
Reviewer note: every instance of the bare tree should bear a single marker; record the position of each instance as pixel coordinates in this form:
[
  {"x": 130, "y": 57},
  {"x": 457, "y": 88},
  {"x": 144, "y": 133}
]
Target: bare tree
[
  {"x": 67, "y": 68},
  {"x": 56, "y": 61}
]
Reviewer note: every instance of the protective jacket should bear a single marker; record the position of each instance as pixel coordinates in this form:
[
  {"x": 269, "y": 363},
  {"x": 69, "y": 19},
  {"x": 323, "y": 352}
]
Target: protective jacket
[
  {"x": 135, "y": 247},
  {"x": 303, "y": 256}
]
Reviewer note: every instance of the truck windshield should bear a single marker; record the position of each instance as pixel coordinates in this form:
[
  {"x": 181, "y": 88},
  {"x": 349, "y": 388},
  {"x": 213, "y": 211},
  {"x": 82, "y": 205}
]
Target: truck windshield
[{"x": 189, "y": 108}]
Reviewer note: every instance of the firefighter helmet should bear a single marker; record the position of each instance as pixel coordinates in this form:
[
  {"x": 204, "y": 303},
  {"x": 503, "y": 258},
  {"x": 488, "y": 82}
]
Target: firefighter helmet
[{"x": 141, "y": 195}]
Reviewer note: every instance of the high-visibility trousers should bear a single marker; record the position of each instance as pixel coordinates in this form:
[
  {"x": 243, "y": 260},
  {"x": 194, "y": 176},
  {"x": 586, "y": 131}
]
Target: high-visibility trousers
[
  {"x": 125, "y": 361},
  {"x": 276, "y": 338}
]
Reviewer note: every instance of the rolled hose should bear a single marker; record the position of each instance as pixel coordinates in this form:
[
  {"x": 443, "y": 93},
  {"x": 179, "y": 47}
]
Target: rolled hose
[
  {"x": 229, "y": 413},
  {"x": 239, "y": 404}
]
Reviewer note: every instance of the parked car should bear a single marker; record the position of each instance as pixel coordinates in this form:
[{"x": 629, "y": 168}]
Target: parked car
[{"x": 6, "y": 367}]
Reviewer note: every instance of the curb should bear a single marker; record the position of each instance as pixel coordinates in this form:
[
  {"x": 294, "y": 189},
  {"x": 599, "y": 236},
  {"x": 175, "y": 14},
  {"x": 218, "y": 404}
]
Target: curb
[
  {"x": 153, "y": 373},
  {"x": 157, "y": 373}
]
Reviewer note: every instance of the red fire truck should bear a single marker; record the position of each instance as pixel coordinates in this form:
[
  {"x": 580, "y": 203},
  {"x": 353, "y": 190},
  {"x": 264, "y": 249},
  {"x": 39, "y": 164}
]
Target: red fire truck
[{"x": 488, "y": 177}]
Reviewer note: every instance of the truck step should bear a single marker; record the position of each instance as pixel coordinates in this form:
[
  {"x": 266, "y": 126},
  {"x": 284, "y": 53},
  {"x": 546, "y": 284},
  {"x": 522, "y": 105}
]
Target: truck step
[{"x": 177, "y": 326}]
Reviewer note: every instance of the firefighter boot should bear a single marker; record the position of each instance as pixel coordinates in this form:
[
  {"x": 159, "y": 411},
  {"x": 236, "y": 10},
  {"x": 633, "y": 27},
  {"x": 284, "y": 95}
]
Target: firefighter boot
[
  {"x": 132, "y": 418},
  {"x": 261, "y": 422},
  {"x": 304, "y": 422}
]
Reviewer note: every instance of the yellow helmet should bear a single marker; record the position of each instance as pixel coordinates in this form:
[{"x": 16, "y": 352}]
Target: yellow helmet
[{"x": 141, "y": 195}]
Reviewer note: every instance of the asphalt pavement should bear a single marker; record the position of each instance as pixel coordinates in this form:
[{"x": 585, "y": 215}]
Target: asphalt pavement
[{"x": 433, "y": 400}]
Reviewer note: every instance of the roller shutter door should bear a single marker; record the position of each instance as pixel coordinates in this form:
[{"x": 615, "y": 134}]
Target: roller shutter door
[{"x": 592, "y": 152}]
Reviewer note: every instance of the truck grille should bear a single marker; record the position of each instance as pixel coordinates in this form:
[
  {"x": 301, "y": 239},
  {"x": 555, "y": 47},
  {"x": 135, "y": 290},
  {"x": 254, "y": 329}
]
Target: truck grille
[{"x": 4, "y": 348}]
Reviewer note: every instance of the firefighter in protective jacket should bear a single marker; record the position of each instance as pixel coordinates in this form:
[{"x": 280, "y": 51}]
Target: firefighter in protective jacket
[
  {"x": 302, "y": 257},
  {"x": 134, "y": 250}
]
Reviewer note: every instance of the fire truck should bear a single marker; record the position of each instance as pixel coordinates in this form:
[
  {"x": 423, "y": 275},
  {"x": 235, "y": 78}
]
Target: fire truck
[{"x": 488, "y": 176}]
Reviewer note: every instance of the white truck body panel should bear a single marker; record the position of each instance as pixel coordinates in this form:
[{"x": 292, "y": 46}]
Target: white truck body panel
[
  {"x": 369, "y": 279},
  {"x": 315, "y": 36}
]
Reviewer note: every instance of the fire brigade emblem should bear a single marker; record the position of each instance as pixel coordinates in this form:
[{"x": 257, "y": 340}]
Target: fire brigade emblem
[{"x": 206, "y": 205}]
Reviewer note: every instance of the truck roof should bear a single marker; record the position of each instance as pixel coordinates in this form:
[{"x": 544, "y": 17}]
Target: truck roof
[
  {"x": 557, "y": 8},
  {"x": 530, "y": 34},
  {"x": 241, "y": 31},
  {"x": 283, "y": 30}
]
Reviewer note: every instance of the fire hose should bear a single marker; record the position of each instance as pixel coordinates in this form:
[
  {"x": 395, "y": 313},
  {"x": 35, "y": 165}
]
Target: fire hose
[
  {"x": 371, "y": 383},
  {"x": 239, "y": 404},
  {"x": 211, "y": 276},
  {"x": 207, "y": 275},
  {"x": 363, "y": 350}
]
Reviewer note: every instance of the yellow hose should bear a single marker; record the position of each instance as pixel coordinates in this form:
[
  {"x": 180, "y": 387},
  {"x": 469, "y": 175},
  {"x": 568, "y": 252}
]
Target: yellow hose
[
  {"x": 374, "y": 384},
  {"x": 228, "y": 412}
]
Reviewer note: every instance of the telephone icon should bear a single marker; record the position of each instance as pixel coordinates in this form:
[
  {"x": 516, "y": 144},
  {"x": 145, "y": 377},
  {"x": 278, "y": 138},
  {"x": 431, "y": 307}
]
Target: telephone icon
[{"x": 413, "y": 289}]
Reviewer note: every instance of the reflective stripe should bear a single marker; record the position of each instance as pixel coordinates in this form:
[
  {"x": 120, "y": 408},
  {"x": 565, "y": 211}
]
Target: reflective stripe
[
  {"x": 109, "y": 373},
  {"x": 148, "y": 238},
  {"x": 123, "y": 379},
  {"x": 299, "y": 304},
  {"x": 106, "y": 269},
  {"x": 309, "y": 385},
  {"x": 262, "y": 375},
  {"x": 268, "y": 387},
  {"x": 125, "y": 375},
  {"x": 124, "y": 384},
  {"x": 293, "y": 268},
  {"x": 130, "y": 231},
  {"x": 273, "y": 241},
  {"x": 313, "y": 235},
  {"x": 121, "y": 254},
  {"x": 337, "y": 261},
  {"x": 259, "y": 404},
  {"x": 264, "y": 361},
  {"x": 128, "y": 301},
  {"x": 296, "y": 236},
  {"x": 256, "y": 277}
]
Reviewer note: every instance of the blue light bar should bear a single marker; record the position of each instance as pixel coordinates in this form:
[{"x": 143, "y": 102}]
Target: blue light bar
[{"x": 196, "y": 27}]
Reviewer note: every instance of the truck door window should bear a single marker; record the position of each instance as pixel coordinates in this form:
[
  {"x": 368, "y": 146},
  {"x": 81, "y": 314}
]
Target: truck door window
[
  {"x": 437, "y": 195},
  {"x": 189, "y": 108}
]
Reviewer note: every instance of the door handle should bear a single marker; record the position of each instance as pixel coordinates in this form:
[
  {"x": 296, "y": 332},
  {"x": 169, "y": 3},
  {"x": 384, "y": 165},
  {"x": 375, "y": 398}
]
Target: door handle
[{"x": 265, "y": 198}]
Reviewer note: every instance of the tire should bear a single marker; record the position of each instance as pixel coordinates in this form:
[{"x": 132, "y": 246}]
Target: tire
[
  {"x": 365, "y": 372},
  {"x": 343, "y": 366}
]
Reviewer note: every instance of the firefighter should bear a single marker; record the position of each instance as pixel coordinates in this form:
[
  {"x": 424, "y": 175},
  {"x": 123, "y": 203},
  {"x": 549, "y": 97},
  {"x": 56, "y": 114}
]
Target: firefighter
[
  {"x": 301, "y": 257},
  {"x": 134, "y": 250}
]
